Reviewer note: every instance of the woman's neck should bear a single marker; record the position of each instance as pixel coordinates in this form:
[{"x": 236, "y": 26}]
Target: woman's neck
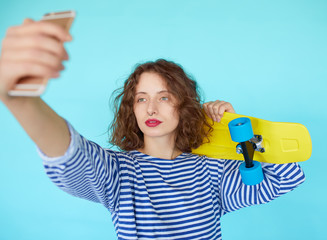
[{"x": 160, "y": 148}]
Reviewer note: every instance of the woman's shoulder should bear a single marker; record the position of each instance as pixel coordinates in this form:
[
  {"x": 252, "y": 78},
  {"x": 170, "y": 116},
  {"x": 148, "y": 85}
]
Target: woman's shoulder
[
  {"x": 212, "y": 160},
  {"x": 120, "y": 153},
  {"x": 204, "y": 158}
]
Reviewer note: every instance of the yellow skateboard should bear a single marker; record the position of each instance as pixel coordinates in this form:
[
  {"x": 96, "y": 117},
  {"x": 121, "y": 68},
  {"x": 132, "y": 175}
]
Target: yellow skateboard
[{"x": 274, "y": 142}]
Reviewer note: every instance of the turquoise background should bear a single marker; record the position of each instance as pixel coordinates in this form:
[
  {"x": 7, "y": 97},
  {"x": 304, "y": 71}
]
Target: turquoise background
[{"x": 268, "y": 58}]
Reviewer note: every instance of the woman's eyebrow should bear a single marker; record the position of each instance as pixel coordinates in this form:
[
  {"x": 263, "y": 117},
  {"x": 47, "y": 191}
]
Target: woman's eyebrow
[
  {"x": 140, "y": 93},
  {"x": 162, "y": 91}
]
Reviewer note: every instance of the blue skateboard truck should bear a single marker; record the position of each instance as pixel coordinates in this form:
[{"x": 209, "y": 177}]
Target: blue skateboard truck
[{"x": 241, "y": 132}]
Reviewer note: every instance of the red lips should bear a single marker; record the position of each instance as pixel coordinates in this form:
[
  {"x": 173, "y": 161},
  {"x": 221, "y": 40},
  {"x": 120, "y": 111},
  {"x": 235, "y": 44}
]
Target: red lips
[{"x": 152, "y": 122}]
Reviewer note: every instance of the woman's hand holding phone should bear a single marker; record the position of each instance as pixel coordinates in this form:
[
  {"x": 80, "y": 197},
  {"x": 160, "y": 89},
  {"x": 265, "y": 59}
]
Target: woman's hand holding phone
[{"x": 32, "y": 53}]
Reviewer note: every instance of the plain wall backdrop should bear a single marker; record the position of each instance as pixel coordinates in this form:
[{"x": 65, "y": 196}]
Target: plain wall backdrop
[{"x": 268, "y": 58}]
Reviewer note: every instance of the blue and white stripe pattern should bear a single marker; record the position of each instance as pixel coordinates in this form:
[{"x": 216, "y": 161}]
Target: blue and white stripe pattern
[{"x": 151, "y": 198}]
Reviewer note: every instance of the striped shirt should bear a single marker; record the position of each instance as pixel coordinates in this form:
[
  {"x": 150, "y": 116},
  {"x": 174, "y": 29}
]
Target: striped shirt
[{"x": 152, "y": 198}]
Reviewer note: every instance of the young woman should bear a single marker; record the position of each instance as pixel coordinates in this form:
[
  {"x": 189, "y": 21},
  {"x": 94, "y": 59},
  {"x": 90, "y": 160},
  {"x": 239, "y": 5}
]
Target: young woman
[{"x": 155, "y": 188}]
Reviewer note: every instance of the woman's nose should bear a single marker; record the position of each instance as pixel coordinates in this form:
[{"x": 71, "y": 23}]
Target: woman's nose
[{"x": 152, "y": 108}]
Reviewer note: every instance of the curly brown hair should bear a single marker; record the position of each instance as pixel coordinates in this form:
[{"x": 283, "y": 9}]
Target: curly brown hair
[{"x": 193, "y": 127}]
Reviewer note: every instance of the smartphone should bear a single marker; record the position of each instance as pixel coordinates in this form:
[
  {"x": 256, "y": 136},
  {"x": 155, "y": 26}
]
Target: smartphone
[{"x": 32, "y": 86}]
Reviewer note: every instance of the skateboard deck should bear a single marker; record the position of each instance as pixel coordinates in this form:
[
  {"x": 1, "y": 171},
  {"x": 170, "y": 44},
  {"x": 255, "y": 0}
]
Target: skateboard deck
[{"x": 282, "y": 142}]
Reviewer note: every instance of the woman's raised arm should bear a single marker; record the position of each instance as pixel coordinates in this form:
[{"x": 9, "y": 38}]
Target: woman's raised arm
[{"x": 35, "y": 49}]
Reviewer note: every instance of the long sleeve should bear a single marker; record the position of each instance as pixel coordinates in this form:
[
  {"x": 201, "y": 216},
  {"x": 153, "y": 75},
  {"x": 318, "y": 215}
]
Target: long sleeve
[
  {"x": 278, "y": 180},
  {"x": 86, "y": 171}
]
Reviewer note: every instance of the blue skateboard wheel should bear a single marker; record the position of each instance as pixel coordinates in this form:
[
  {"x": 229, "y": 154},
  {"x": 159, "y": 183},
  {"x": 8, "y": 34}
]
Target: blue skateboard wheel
[
  {"x": 253, "y": 175},
  {"x": 240, "y": 129}
]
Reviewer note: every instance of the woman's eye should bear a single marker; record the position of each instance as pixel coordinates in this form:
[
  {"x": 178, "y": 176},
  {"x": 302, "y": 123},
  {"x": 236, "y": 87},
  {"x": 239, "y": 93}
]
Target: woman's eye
[
  {"x": 164, "y": 98},
  {"x": 141, "y": 100}
]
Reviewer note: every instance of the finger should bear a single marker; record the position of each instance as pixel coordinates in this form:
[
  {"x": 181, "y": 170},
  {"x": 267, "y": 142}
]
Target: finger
[
  {"x": 66, "y": 56},
  {"x": 211, "y": 109},
  {"x": 217, "y": 109},
  {"x": 36, "y": 56},
  {"x": 33, "y": 70},
  {"x": 222, "y": 108},
  {"x": 208, "y": 109},
  {"x": 214, "y": 110},
  {"x": 227, "y": 107},
  {"x": 15, "y": 71},
  {"x": 205, "y": 108},
  {"x": 36, "y": 42},
  {"x": 41, "y": 27},
  {"x": 27, "y": 21}
]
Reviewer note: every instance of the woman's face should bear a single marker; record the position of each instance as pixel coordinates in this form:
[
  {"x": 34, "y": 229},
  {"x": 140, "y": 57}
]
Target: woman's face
[{"x": 154, "y": 107}]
